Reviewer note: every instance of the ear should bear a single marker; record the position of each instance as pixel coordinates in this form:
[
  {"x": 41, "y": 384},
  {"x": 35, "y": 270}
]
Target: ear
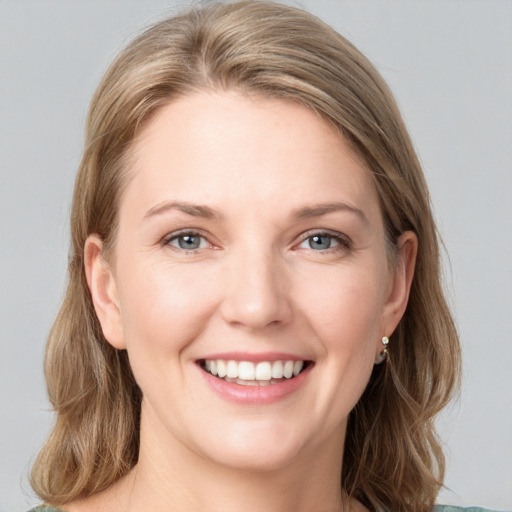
[
  {"x": 103, "y": 290},
  {"x": 394, "y": 309}
]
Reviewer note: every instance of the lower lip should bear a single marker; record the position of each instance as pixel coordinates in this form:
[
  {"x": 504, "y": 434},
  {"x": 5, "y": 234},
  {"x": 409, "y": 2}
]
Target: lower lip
[{"x": 255, "y": 395}]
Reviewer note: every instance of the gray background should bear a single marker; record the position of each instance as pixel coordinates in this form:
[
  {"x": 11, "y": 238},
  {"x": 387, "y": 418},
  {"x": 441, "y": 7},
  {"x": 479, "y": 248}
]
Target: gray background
[{"x": 449, "y": 65}]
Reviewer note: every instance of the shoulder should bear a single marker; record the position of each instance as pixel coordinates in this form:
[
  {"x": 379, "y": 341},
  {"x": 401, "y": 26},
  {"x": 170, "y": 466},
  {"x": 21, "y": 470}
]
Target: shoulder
[
  {"x": 449, "y": 508},
  {"x": 45, "y": 508}
]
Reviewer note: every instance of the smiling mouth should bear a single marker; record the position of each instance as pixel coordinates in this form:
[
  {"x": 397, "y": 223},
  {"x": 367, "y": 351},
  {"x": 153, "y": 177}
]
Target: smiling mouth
[{"x": 247, "y": 373}]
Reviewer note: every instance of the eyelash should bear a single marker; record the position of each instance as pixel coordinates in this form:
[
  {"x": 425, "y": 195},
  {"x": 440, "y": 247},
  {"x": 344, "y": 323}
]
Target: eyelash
[
  {"x": 182, "y": 234},
  {"x": 343, "y": 243}
]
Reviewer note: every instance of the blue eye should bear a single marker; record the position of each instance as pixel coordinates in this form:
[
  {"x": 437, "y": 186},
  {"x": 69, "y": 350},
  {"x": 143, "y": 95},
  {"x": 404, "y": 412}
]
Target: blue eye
[
  {"x": 323, "y": 242},
  {"x": 188, "y": 241}
]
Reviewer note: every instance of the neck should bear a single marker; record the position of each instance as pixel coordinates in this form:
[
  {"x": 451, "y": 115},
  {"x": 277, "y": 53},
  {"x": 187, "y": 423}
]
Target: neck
[{"x": 169, "y": 475}]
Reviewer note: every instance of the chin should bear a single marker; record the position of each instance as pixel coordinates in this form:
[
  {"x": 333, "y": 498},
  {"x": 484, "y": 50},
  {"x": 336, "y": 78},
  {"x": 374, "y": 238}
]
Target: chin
[
  {"x": 261, "y": 448},
  {"x": 255, "y": 459}
]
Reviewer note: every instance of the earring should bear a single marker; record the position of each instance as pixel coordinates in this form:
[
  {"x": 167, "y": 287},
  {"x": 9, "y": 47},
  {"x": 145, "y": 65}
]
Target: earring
[{"x": 382, "y": 356}]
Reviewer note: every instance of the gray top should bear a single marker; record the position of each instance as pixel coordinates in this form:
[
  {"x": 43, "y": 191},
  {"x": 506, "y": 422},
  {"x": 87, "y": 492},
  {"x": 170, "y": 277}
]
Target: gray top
[{"x": 437, "y": 508}]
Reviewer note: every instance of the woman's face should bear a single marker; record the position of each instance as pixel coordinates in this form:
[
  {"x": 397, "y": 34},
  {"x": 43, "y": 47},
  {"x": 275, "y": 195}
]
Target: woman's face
[{"x": 250, "y": 242}]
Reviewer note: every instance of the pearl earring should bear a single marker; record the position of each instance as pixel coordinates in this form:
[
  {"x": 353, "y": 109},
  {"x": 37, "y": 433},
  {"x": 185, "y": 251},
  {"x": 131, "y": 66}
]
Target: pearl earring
[{"x": 382, "y": 356}]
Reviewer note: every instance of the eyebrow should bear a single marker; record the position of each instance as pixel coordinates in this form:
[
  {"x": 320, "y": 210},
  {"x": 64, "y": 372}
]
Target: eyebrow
[
  {"x": 195, "y": 210},
  {"x": 318, "y": 210},
  {"x": 206, "y": 212}
]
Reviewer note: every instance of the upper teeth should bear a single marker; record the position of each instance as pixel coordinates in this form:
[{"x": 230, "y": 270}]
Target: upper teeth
[{"x": 247, "y": 370}]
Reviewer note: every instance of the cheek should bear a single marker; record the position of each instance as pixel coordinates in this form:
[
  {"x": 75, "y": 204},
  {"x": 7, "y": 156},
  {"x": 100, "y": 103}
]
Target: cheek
[
  {"x": 346, "y": 310},
  {"x": 164, "y": 306},
  {"x": 343, "y": 316}
]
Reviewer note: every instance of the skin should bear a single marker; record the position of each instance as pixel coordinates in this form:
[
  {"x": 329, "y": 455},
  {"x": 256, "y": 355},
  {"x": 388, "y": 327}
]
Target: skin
[{"x": 257, "y": 283}]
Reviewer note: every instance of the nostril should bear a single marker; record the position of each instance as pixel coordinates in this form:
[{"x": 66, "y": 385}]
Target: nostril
[{"x": 255, "y": 296}]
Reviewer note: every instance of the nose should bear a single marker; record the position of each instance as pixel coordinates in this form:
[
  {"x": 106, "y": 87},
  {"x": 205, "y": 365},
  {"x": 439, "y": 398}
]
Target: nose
[{"x": 256, "y": 292}]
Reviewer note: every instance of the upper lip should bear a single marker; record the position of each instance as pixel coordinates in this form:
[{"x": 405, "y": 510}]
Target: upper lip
[{"x": 254, "y": 357}]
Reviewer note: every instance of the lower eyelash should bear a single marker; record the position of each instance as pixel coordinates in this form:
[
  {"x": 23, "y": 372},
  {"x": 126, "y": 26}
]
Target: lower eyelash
[
  {"x": 342, "y": 243},
  {"x": 174, "y": 236}
]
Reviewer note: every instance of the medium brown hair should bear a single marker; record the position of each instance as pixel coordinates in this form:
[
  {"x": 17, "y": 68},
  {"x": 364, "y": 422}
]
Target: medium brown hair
[{"x": 392, "y": 457}]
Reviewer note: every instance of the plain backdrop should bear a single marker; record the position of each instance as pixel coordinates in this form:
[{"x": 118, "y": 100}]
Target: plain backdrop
[{"x": 449, "y": 64}]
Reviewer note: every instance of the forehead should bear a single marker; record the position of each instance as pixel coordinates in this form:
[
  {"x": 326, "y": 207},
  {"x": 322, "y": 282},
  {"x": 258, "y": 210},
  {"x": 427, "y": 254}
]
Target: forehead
[{"x": 216, "y": 147}]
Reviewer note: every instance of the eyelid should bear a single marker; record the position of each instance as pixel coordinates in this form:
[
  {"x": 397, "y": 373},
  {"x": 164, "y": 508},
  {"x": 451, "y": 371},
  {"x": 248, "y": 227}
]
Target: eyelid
[
  {"x": 168, "y": 238},
  {"x": 344, "y": 241}
]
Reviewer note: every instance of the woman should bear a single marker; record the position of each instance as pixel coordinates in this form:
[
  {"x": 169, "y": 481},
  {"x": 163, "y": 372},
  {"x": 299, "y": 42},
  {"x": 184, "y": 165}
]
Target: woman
[{"x": 254, "y": 312}]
